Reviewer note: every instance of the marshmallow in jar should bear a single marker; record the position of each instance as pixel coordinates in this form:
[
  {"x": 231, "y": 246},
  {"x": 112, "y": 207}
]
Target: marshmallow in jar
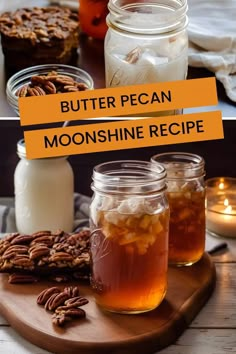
[
  {"x": 43, "y": 193},
  {"x": 146, "y": 42}
]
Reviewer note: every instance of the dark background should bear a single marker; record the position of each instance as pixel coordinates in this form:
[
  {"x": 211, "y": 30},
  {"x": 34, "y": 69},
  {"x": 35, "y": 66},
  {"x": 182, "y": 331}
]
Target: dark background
[{"x": 220, "y": 155}]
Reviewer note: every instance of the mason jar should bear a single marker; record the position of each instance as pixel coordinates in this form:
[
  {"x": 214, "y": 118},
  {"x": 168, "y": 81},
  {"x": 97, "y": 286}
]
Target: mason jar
[
  {"x": 129, "y": 219},
  {"x": 43, "y": 193},
  {"x": 146, "y": 42},
  {"x": 186, "y": 194}
]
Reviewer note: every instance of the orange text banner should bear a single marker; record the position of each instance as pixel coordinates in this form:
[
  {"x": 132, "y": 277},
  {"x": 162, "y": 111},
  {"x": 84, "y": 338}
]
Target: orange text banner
[
  {"x": 123, "y": 135},
  {"x": 118, "y": 101}
]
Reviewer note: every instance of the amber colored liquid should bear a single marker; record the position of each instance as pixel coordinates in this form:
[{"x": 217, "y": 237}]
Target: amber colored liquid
[
  {"x": 92, "y": 15},
  {"x": 187, "y": 228},
  {"x": 129, "y": 277}
]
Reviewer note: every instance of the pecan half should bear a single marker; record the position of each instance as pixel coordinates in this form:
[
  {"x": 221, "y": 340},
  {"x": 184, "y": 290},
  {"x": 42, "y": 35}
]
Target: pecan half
[
  {"x": 49, "y": 301},
  {"x": 49, "y": 87},
  {"x": 76, "y": 302},
  {"x": 47, "y": 240},
  {"x": 37, "y": 79},
  {"x": 22, "y": 260},
  {"x": 40, "y": 91},
  {"x": 11, "y": 237},
  {"x": 75, "y": 313},
  {"x": 55, "y": 301},
  {"x": 22, "y": 91},
  {"x": 81, "y": 86},
  {"x": 59, "y": 319},
  {"x": 38, "y": 250},
  {"x": 61, "y": 256},
  {"x": 46, "y": 294},
  {"x": 17, "y": 278},
  {"x": 4, "y": 246},
  {"x": 41, "y": 33},
  {"x": 12, "y": 251},
  {"x": 32, "y": 91},
  {"x": 70, "y": 88},
  {"x": 133, "y": 56},
  {"x": 22, "y": 239},
  {"x": 72, "y": 291}
]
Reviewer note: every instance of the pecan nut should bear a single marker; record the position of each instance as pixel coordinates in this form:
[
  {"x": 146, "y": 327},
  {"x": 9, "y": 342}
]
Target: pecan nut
[
  {"x": 133, "y": 56},
  {"x": 22, "y": 260},
  {"x": 38, "y": 250},
  {"x": 55, "y": 301},
  {"x": 49, "y": 302},
  {"x": 81, "y": 86},
  {"x": 76, "y": 302},
  {"x": 47, "y": 240},
  {"x": 11, "y": 237},
  {"x": 12, "y": 251},
  {"x": 17, "y": 278},
  {"x": 22, "y": 239},
  {"x": 61, "y": 256},
  {"x": 22, "y": 91},
  {"x": 46, "y": 294},
  {"x": 39, "y": 90},
  {"x": 75, "y": 313},
  {"x": 41, "y": 233},
  {"x": 49, "y": 87},
  {"x": 59, "y": 319},
  {"x": 72, "y": 291},
  {"x": 70, "y": 88}
]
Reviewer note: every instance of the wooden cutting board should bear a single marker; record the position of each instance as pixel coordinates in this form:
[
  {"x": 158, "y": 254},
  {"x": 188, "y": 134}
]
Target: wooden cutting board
[{"x": 106, "y": 333}]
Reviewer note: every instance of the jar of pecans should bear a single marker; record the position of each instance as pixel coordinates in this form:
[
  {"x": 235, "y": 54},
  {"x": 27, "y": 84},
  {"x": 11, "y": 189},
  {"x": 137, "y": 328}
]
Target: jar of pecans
[{"x": 46, "y": 79}]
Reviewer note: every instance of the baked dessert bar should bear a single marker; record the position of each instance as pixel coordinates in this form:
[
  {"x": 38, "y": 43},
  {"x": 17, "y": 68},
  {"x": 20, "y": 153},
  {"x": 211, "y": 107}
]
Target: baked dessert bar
[
  {"x": 46, "y": 253},
  {"x": 32, "y": 36}
]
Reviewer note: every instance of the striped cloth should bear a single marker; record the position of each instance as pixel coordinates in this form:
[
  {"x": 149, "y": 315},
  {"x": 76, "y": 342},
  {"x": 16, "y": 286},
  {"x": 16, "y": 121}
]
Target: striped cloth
[
  {"x": 81, "y": 206},
  {"x": 81, "y": 212}
]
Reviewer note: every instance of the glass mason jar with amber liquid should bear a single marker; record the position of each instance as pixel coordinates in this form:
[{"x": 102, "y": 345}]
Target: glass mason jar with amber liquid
[
  {"x": 129, "y": 221},
  {"x": 186, "y": 195}
]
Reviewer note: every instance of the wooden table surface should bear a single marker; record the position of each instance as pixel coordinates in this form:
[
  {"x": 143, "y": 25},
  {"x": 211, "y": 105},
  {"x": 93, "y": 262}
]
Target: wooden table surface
[{"x": 213, "y": 331}]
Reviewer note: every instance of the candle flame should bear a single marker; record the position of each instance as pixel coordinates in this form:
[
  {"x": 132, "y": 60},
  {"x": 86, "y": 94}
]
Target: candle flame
[
  {"x": 221, "y": 185},
  {"x": 228, "y": 209}
]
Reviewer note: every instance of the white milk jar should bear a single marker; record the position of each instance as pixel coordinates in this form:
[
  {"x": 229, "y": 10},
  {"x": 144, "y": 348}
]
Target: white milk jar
[
  {"x": 146, "y": 42},
  {"x": 43, "y": 193}
]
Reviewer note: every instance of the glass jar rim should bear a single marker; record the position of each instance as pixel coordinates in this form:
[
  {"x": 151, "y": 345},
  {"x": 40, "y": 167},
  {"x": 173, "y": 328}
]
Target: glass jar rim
[
  {"x": 172, "y": 19},
  {"x": 128, "y": 177},
  {"x": 181, "y": 164}
]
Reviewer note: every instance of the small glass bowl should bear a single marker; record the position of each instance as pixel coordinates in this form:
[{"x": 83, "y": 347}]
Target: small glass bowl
[
  {"x": 23, "y": 77},
  {"x": 221, "y": 206}
]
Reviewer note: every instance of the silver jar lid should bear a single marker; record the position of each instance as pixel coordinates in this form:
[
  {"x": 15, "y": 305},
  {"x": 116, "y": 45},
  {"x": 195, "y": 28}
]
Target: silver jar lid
[{"x": 21, "y": 149}]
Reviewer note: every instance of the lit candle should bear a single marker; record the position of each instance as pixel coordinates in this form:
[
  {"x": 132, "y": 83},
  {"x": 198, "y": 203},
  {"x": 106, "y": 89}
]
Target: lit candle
[{"x": 221, "y": 218}]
